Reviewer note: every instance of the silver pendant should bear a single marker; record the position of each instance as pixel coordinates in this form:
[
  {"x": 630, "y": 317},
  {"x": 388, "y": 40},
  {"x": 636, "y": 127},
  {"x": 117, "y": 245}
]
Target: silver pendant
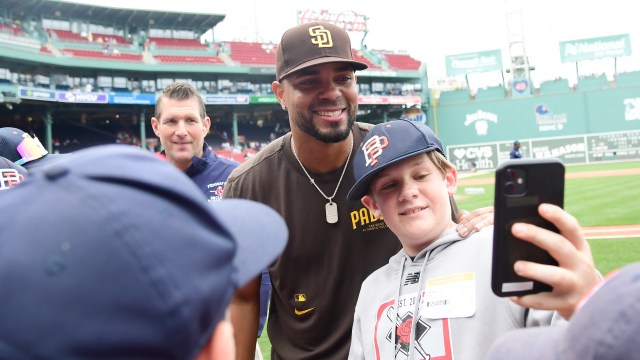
[{"x": 331, "y": 210}]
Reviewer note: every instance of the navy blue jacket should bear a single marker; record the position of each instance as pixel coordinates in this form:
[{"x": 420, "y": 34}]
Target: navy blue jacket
[{"x": 210, "y": 173}]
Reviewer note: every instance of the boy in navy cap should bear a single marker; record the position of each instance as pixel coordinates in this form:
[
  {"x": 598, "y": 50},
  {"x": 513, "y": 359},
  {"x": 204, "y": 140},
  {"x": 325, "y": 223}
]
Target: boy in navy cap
[
  {"x": 122, "y": 257},
  {"x": 434, "y": 299}
]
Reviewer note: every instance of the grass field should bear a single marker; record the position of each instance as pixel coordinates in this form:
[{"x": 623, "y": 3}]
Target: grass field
[
  {"x": 595, "y": 201},
  {"x": 598, "y": 201}
]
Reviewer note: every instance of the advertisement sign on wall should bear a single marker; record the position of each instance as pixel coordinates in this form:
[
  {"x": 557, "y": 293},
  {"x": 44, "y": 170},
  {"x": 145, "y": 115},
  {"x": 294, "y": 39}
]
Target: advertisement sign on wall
[
  {"x": 475, "y": 62},
  {"x": 595, "y": 48}
]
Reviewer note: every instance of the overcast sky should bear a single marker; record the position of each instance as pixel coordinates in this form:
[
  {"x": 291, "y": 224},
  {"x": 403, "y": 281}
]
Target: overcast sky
[{"x": 430, "y": 30}]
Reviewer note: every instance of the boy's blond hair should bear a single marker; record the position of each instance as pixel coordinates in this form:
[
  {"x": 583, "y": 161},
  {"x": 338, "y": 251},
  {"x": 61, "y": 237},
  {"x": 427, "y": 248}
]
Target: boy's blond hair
[{"x": 440, "y": 162}]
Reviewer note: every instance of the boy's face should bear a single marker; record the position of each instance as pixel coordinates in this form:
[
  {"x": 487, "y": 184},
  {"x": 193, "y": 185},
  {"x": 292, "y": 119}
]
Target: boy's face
[{"x": 413, "y": 197}]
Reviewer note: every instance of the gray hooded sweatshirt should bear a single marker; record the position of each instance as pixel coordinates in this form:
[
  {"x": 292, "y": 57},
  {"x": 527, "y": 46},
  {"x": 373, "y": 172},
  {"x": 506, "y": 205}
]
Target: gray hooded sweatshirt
[{"x": 438, "y": 305}]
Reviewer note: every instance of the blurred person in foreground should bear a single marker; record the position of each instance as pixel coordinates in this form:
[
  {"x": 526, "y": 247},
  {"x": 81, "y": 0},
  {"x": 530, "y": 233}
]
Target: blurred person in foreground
[
  {"x": 181, "y": 123},
  {"x": 604, "y": 326},
  {"x": 334, "y": 244},
  {"x": 122, "y": 257}
]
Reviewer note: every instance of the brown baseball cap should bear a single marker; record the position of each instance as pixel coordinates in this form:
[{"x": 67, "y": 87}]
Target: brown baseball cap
[{"x": 312, "y": 44}]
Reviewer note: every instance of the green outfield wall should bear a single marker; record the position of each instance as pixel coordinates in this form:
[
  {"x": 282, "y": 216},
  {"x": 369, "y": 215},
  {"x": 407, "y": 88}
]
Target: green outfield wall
[{"x": 602, "y": 124}]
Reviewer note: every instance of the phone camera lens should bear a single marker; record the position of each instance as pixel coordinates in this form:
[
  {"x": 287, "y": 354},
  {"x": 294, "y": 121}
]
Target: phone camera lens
[{"x": 510, "y": 188}]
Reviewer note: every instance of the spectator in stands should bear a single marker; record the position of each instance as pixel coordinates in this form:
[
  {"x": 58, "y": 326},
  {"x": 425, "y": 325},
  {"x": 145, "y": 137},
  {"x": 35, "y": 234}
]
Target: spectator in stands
[
  {"x": 118, "y": 256},
  {"x": 181, "y": 123},
  {"x": 515, "y": 151},
  {"x": 334, "y": 243}
]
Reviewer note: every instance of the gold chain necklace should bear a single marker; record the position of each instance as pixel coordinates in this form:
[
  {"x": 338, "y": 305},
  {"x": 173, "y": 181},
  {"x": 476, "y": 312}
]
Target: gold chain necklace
[{"x": 331, "y": 209}]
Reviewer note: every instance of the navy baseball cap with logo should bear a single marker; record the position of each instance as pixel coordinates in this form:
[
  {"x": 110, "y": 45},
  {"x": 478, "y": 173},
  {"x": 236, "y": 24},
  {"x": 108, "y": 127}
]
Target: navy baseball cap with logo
[
  {"x": 117, "y": 254},
  {"x": 19, "y": 147},
  {"x": 312, "y": 44},
  {"x": 386, "y": 144},
  {"x": 604, "y": 326}
]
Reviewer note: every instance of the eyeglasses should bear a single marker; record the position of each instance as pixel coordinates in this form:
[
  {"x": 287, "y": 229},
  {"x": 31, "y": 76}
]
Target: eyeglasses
[{"x": 30, "y": 149}]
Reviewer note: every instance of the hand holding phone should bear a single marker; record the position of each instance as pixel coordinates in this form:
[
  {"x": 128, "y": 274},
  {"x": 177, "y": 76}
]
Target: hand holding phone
[{"x": 521, "y": 185}]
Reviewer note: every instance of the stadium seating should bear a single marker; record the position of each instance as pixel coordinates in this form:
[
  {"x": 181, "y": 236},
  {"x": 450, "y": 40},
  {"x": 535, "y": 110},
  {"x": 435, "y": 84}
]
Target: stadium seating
[
  {"x": 358, "y": 57},
  {"x": 11, "y": 29},
  {"x": 86, "y": 59},
  {"x": 160, "y": 42},
  {"x": 66, "y": 35},
  {"x": 96, "y": 38},
  {"x": 106, "y": 38},
  {"x": 402, "y": 62},
  {"x": 189, "y": 59},
  {"x": 252, "y": 53},
  {"x": 18, "y": 40},
  {"x": 102, "y": 55}
]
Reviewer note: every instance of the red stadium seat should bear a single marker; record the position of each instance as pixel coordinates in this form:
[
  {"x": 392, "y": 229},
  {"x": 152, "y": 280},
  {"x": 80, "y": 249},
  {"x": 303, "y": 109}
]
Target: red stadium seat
[
  {"x": 252, "y": 53},
  {"x": 12, "y": 29},
  {"x": 160, "y": 42},
  {"x": 358, "y": 57},
  {"x": 402, "y": 62},
  {"x": 189, "y": 59},
  {"x": 101, "y": 55},
  {"x": 69, "y": 36},
  {"x": 66, "y": 35},
  {"x": 106, "y": 38}
]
